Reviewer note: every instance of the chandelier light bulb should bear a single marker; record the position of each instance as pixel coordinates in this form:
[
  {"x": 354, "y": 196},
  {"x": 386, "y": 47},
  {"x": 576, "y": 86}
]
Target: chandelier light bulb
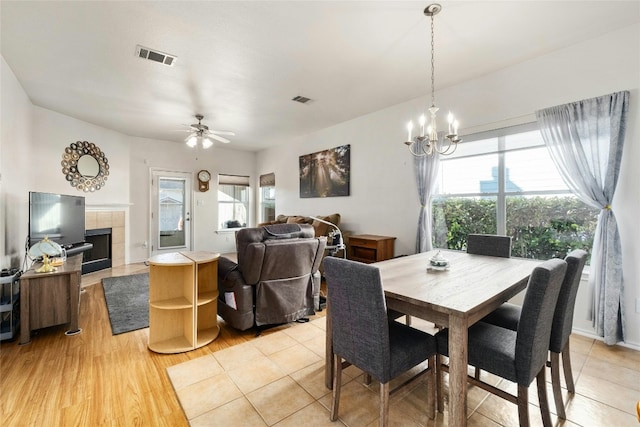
[
  {"x": 192, "y": 141},
  {"x": 409, "y": 129},
  {"x": 423, "y": 120},
  {"x": 206, "y": 143}
]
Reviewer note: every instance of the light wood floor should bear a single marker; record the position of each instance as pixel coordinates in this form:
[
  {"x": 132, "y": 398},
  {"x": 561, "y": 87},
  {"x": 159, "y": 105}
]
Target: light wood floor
[{"x": 94, "y": 378}]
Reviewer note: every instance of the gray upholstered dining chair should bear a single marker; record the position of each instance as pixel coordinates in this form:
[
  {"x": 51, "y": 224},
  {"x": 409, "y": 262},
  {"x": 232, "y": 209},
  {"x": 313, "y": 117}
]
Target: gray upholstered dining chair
[
  {"x": 517, "y": 356},
  {"x": 489, "y": 244},
  {"x": 508, "y": 316},
  {"x": 364, "y": 336}
]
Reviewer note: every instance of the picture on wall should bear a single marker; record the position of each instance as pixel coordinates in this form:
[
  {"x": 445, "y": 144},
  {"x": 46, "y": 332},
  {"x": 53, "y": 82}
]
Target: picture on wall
[{"x": 325, "y": 173}]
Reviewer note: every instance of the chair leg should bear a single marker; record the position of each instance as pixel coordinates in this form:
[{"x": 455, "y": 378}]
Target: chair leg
[
  {"x": 337, "y": 382},
  {"x": 367, "y": 379},
  {"x": 555, "y": 382},
  {"x": 476, "y": 374},
  {"x": 408, "y": 320},
  {"x": 384, "y": 404},
  {"x": 431, "y": 388},
  {"x": 439, "y": 381},
  {"x": 566, "y": 365},
  {"x": 523, "y": 405},
  {"x": 542, "y": 397}
]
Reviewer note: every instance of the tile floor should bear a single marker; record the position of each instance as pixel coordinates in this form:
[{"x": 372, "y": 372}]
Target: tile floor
[{"x": 278, "y": 380}]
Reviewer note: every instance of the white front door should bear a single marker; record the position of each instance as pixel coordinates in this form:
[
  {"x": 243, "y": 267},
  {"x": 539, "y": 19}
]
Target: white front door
[{"x": 170, "y": 211}]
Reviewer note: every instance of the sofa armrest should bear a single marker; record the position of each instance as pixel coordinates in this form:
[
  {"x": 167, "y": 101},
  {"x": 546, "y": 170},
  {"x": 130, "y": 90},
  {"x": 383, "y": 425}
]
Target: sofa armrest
[
  {"x": 230, "y": 281},
  {"x": 229, "y": 277},
  {"x": 225, "y": 267}
]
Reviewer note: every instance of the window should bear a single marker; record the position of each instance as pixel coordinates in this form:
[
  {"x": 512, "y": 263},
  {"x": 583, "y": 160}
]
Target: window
[
  {"x": 171, "y": 212},
  {"x": 233, "y": 201},
  {"x": 267, "y": 197},
  {"x": 504, "y": 182}
]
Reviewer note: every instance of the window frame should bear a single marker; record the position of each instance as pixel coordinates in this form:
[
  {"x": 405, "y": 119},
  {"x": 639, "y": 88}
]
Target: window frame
[
  {"x": 267, "y": 183},
  {"x": 240, "y": 183},
  {"x": 501, "y": 151}
]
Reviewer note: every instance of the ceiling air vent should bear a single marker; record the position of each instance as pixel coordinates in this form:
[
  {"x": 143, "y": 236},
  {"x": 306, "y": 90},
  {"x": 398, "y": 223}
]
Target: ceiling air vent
[
  {"x": 155, "y": 55},
  {"x": 301, "y": 99}
]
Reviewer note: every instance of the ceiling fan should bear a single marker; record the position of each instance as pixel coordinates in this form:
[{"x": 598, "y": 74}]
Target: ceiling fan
[{"x": 202, "y": 133}]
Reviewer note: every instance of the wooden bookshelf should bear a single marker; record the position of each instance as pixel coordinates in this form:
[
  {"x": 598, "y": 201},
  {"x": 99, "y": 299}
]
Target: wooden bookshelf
[{"x": 183, "y": 295}]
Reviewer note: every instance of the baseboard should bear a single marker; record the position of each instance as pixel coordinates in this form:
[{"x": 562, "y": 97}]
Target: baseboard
[{"x": 591, "y": 334}]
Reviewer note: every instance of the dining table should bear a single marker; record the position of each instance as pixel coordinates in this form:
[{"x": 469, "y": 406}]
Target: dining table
[{"x": 455, "y": 296}]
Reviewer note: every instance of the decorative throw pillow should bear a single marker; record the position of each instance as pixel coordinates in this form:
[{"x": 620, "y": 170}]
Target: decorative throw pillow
[
  {"x": 323, "y": 229},
  {"x": 333, "y": 219}
]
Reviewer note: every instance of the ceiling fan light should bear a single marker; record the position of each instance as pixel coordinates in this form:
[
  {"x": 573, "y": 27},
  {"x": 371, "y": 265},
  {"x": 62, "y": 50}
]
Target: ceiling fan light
[
  {"x": 192, "y": 141},
  {"x": 206, "y": 143}
]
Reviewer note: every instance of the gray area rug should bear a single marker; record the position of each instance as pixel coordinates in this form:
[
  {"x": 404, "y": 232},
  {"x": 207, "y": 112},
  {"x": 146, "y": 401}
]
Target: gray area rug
[{"x": 127, "y": 299}]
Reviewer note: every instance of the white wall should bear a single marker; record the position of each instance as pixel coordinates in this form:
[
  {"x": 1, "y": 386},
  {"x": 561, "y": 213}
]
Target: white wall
[
  {"x": 147, "y": 154},
  {"x": 15, "y": 160},
  {"x": 31, "y": 146},
  {"x": 34, "y": 164},
  {"x": 383, "y": 193}
]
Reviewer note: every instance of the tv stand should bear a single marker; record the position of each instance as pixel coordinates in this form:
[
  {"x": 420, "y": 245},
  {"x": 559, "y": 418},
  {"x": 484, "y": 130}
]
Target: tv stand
[
  {"x": 79, "y": 248},
  {"x": 49, "y": 299}
]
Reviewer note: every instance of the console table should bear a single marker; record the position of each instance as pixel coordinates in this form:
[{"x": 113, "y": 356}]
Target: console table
[
  {"x": 183, "y": 301},
  {"x": 370, "y": 248},
  {"x": 49, "y": 299}
]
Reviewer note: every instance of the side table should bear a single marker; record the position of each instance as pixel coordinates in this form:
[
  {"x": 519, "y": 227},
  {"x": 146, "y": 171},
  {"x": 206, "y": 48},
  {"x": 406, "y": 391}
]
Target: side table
[{"x": 370, "y": 248}]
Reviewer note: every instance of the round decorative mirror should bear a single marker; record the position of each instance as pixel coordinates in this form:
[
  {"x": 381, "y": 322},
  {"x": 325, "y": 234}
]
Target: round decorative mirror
[{"x": 85, "y": 166}]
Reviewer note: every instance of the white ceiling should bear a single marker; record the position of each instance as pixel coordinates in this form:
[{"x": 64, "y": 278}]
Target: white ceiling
[{"x": 240, "y": 62}]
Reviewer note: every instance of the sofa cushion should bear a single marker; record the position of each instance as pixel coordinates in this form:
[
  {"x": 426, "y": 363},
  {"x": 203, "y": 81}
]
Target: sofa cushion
[{"x": 297, "y": 220}]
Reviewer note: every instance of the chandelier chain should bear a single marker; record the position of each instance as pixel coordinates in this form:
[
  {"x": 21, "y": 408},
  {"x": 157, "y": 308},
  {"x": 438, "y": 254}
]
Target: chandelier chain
[{"x": 433, "y": 66}]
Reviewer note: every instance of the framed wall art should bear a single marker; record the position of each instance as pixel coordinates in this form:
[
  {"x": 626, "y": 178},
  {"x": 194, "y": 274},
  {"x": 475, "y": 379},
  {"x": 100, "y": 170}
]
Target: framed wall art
[{"x": 326, "y": 173}]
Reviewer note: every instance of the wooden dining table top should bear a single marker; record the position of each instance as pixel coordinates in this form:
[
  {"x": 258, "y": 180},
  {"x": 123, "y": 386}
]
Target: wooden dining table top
[{"x": 464, "y": 288}]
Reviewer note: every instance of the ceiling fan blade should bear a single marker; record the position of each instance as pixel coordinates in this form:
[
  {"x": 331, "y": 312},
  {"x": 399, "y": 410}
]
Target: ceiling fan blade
[
  {"x": 222, "y": 132},
  {"x": 218, "y": 138}
]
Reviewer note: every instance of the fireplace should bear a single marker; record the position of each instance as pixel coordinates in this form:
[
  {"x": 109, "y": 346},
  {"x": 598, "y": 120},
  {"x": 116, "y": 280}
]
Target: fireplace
[{"x": 99, "y": 257}]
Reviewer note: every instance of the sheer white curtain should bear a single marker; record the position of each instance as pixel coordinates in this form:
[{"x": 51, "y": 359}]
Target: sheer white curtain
[
  {"x": 585, "y": 140},
  {"x": 426, "y": 170}
]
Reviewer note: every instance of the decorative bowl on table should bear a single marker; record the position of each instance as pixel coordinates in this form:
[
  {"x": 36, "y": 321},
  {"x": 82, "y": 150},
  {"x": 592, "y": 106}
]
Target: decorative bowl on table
[{"x": 438, "y": 262}]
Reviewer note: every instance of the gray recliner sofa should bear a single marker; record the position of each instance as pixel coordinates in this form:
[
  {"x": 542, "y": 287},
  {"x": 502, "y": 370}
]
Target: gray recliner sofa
[{"x": 276, "y": 278}]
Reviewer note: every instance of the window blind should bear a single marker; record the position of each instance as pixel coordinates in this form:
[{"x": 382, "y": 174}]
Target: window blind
[
  {"x": 233, "y": 180},
  {"x": 268, "y": 180}
]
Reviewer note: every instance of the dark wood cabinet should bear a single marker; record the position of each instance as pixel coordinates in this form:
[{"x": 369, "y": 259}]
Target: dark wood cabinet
[{"x": 370, "y": 248}]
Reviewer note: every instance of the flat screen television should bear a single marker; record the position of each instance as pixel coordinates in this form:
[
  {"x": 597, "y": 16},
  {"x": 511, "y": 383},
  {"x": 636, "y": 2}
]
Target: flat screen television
[{"x": 58, "y": 216}]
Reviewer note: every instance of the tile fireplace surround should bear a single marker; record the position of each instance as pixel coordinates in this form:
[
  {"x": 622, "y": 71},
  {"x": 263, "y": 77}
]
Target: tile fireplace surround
[{"x": 114, "y": 220}]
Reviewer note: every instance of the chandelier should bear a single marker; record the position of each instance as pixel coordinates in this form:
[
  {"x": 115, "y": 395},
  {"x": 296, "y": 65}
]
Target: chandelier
[{"x": 428, "y": 143}]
